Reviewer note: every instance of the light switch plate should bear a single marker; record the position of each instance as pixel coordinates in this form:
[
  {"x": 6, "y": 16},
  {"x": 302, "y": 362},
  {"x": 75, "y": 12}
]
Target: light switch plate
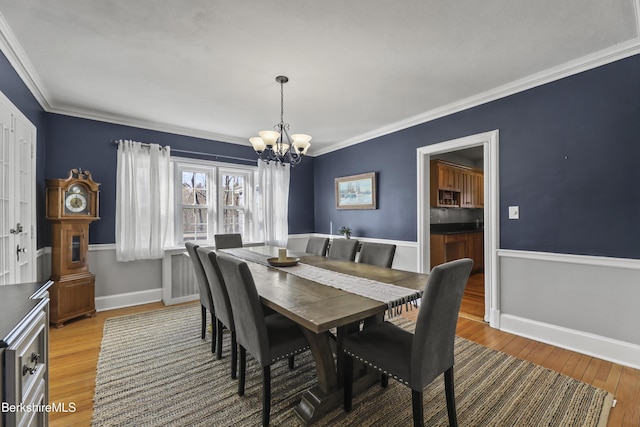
[{"x": 514, "y": 212}]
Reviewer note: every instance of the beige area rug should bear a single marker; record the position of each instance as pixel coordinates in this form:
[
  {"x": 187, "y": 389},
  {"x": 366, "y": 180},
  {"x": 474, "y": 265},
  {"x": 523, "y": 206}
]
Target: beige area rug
[{"x": 154, "y": 370}]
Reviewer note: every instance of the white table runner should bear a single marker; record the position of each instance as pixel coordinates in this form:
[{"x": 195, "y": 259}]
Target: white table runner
[{"x": 396, "y": 297}]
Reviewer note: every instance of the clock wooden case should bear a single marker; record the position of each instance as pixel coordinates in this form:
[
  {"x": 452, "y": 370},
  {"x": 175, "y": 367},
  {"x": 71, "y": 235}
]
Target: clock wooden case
[{"x": 71, "y": 205}]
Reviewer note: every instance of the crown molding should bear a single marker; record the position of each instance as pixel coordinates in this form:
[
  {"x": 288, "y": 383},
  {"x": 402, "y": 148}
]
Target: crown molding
[
  {"x": 146, "y": 124},
  {"x": 20, "y": 62},
  {"x": 18, "y": 59},
  {"x": 588, "y": 62}
]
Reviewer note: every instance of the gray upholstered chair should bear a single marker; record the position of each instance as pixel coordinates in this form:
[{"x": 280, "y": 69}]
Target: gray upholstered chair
[
  {"x": 226, "y": 241},
  {"x": 221, "y": 304},
  {"x": 415, "y": 359},
  {"x": 344, "y": 249},
  {"x": 268, "y": 338},
  {"x": 206, "y": 299},
  {"x": 317, "y": 246},
  {"x": 380, "y": 254}
]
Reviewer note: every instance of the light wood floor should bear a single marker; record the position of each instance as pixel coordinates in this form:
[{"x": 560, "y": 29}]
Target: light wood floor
[
  {"x": 74, "y": 354},
  {"x": 472, "y": 306}
]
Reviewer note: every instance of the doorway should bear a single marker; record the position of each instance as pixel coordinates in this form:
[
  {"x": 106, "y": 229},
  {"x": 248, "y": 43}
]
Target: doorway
[{"x": 489, "y": 143}]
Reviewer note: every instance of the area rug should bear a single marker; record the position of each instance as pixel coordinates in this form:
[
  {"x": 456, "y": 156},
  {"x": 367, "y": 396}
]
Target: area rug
[{"x": 154, "y": 370}]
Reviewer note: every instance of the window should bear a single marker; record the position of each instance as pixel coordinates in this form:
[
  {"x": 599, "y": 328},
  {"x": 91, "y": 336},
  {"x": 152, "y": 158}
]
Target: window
[
  {"x": 233, "y": 206},
  {"x": 214, "y": 198},
  {"x": 195, "y": 206}
]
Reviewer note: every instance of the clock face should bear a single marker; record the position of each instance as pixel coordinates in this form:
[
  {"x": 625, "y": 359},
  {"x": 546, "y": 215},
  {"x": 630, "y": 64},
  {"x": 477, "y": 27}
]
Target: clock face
[{"x": 76, "y": 200}]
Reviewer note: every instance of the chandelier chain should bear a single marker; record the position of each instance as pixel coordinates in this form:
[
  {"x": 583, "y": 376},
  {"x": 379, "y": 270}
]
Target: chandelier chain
[{"x": 282, "y": 102}]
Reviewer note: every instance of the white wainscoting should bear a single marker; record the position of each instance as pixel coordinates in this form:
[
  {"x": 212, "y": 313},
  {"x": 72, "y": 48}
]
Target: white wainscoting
[
  {"x": 583, "y": 303},
  {"x": 406, "y": 257}
]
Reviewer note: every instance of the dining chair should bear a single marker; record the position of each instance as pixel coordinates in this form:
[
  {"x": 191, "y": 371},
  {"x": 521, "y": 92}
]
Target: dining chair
[
  {"x": 227, "y": 241},
  {"x": 268, "y": 338},
  {"x": 317, "y": 246},
  {"x": 206, "y": 299},
  {"x": 415, "y": 359},
  {"x": 344, "y": 249},
  {"x": 221, "y": 304},
  {"x": 380, "y": 254}
]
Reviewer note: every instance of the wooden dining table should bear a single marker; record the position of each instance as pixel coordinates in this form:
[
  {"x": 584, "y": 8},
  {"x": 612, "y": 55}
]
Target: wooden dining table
[{"x": 319, "y": 308}]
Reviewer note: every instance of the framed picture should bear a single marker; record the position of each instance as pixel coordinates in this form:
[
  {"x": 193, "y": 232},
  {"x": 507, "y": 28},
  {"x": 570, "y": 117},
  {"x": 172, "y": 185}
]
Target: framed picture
[{"x": 356, "y": 191}]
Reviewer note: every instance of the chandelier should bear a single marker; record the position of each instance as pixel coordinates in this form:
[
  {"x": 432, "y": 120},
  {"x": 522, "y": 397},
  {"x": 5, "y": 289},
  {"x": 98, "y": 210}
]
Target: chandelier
[{"x": 276, "y": 145}]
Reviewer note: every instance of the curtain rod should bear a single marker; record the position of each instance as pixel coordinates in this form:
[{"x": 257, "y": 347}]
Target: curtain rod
[{"x": 198, "y": 153}]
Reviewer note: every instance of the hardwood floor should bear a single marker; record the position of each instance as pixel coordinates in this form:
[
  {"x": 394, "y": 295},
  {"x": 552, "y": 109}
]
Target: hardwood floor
[
  {"x": 74, "y": 353},
  {"x": 472, "y": 306},
  {"x": 73, "y": 357}
]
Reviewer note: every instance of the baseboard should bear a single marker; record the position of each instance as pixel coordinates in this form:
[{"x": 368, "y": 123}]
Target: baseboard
[
  {"x": 128, "y": 299},
  {"x": 494, "y": 318},
  {"x": 620, "y": 352}
]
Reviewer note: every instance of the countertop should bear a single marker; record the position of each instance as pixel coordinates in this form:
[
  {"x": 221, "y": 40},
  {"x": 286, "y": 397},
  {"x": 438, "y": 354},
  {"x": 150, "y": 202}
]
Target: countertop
[
  {"x": 18, "y": 302},
  {"x": 457, "y": 228}
]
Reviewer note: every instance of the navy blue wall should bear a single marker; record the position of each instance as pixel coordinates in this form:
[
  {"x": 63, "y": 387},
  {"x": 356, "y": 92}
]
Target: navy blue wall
[
  {"x": 64, "y": 143},
  {"x": 569, "y": 152},
  {"x": 568, "y": 155},
  {"x": 75, "y": 142}
]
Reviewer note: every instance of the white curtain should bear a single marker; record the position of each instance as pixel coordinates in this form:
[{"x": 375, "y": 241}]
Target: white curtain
[
  {"x": 144, "y": 205},
  {"x": 273, "y": 202}
]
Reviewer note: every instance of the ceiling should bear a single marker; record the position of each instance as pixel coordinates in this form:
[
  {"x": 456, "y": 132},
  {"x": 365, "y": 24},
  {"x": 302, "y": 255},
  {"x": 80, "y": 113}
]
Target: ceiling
[{"x": 357, "y": 69}]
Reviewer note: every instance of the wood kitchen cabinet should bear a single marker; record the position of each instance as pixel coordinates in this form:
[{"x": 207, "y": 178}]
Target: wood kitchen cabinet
[
  {"x": 479, "y": 189},
  {"x": 468, "y": 191},
  {"x": 448, "y": 247},
  {"x": 455, "y": 186},
  {"x": 449, "y": 177},
  {"x": 475, "y": 245},
  {"x": 446, "y": 184}
]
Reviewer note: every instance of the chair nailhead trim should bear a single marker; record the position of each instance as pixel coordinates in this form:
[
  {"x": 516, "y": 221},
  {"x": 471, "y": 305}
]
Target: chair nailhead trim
[
  {"x": 298, "y": 351},
  {"x": 395, "y": 377}
]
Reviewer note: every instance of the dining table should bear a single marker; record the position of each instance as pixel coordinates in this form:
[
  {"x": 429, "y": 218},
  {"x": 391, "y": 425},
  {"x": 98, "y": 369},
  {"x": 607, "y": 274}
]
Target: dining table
[{"x": 325, "y": 312}]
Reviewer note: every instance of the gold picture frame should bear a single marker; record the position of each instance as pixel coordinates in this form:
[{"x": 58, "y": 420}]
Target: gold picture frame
[{"x": 356, "y": 191}]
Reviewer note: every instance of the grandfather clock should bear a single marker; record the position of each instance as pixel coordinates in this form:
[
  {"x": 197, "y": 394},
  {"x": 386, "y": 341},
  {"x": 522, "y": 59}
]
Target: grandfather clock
[{"x": 71, "y": 205}]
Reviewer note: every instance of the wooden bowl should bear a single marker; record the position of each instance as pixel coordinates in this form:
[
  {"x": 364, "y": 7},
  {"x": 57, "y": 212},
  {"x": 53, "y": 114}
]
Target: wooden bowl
[{"x": 287, "y": 262}]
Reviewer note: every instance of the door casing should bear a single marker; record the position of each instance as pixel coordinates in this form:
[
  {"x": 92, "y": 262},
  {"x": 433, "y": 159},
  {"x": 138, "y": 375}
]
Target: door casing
[{"x": 489, "y": 142}]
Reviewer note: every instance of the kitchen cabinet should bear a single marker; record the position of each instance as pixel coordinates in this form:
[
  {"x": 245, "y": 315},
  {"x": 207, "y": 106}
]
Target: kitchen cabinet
[
  {"x": 479, "y": 189},
  {"x": 447, "y": 247},
  {"x": 468, "y": 190},
  {"x": 455, "y": 186},
  {"x": 475, "y": 245},
  {"x": 449, "y": 177}
]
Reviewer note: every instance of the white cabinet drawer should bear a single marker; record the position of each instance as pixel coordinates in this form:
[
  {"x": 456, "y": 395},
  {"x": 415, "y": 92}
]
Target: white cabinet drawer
[
  {"x": 25, "y": 368},
  {"x": 34, "y": 418}
]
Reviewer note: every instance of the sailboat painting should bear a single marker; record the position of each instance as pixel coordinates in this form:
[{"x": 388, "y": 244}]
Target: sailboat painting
[{"x": 356, "y": 191}]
